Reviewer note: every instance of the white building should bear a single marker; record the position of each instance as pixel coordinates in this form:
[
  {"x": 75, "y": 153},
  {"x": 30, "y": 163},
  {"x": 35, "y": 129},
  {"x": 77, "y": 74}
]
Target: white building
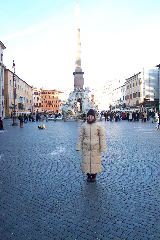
[
  {"x": 2, "y": 109},
  {"x": 103, "y": 96},
  {"x": 134, "y": 90},
  {"x": 37, "y": 100},
  {"x": 150, "y": 89},
  {"x": 118, "y": 97},
  {"x": 142, "y": 89},
  {"x": 139, "y": 90},
  {"x": 158, "y": 66}
]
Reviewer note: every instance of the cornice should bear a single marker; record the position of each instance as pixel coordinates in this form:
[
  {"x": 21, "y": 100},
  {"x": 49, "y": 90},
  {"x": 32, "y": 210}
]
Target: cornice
[{"x": 2, "y": 45}]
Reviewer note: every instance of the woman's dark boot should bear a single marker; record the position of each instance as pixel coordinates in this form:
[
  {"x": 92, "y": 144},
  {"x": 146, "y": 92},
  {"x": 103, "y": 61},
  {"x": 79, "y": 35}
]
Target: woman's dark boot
[
  {"x": 93, "y": 177},
  {"x": 88, "y": 177}
]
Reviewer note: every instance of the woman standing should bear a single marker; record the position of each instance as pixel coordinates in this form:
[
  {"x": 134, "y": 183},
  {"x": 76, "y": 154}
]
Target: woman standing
[{"x": 92, "y": 142}]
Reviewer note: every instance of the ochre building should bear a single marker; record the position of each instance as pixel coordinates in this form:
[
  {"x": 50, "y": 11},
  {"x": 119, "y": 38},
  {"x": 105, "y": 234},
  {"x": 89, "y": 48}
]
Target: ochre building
[{"x": 51, "y": 101}]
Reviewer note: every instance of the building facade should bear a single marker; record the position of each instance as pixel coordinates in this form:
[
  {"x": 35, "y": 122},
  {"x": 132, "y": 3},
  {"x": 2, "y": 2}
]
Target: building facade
[
  {"x": 37, "y": 105},
  {"x": 134, "y": 90},
  {"x": 158, "y": 66},
  {"x": 2, "y": 67},
  {"x": 51, "y": 101},
  {"x": 102, "y": 97},
  {"x": 118, "y": 98},
  {"x": 151, "y": 88},
  {"x": 142, "y": 89},
  {"x": 23, "y": 94}
]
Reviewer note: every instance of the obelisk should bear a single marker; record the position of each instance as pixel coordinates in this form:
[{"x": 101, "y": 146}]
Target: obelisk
[{"x": 78, "y": 73}]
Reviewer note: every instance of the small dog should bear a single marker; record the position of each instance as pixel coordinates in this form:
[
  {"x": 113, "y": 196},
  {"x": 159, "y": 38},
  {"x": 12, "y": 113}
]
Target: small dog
[{"x": 42, "y": 126}]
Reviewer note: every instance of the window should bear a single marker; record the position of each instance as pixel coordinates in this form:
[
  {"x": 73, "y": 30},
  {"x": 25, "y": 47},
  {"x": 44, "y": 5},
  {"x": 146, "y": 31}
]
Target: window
[{"x": 135, "y": 95}]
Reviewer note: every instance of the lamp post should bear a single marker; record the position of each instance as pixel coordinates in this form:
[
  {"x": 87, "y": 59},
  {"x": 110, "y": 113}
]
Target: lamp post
[
  {"x": 14, "y": 96},
  {"x": 158, "y": 66}
]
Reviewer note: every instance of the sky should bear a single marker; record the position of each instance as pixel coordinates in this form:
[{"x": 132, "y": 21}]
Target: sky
[{"x": 118, "y": 39}]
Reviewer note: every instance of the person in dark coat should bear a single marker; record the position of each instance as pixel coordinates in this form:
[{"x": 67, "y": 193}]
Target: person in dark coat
[
  {"x": 21, "y": 120},
  {"x": 105, "y": 116},
  {"x": 1, "y": 124}
]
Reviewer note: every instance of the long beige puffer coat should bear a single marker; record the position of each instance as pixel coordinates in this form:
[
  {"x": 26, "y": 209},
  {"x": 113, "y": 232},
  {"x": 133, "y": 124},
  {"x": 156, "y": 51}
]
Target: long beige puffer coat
[{"x": 92, "y": 142}]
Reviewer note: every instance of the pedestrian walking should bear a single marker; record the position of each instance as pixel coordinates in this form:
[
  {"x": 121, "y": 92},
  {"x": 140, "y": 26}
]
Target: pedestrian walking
[
  {"x": 144, "y": 116},
  {"x": 158, "y": 125},
  {"x": 92, "y": 142},
  {"x": 46, "y": 117},
  {"x": 105, "y": 116},
  {"x": 130, "y": 116},
  {"x": 1, "y": 124},
  {"x": 21, "y": 120},
  {"x": 153, "y": 116},
  {"x": 157, "y": 119}
]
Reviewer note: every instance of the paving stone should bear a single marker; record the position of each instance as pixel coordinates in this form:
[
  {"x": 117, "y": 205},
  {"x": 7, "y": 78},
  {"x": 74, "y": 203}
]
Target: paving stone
[{"x": 44, "y": 195}]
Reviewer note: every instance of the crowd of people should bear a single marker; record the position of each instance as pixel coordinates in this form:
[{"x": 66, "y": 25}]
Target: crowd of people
[
  {"x": 130, "y": 116},
  {"x": 38, "y": 117},
  {"x": 112, "y": 116}
]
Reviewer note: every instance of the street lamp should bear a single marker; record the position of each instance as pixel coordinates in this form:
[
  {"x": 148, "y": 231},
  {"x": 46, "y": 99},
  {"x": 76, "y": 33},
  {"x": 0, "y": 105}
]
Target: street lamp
[
  {"x": 14, "y": 96},
  {"x": 158, "y": 66}
]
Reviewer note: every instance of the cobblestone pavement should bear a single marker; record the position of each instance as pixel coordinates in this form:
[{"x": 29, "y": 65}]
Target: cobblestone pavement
[{"x": 44, "y": 195}]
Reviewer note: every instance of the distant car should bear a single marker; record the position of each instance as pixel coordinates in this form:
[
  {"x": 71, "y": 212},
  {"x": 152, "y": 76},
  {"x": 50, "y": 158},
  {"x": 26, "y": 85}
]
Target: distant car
[{"x": 53, "y": 118}]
